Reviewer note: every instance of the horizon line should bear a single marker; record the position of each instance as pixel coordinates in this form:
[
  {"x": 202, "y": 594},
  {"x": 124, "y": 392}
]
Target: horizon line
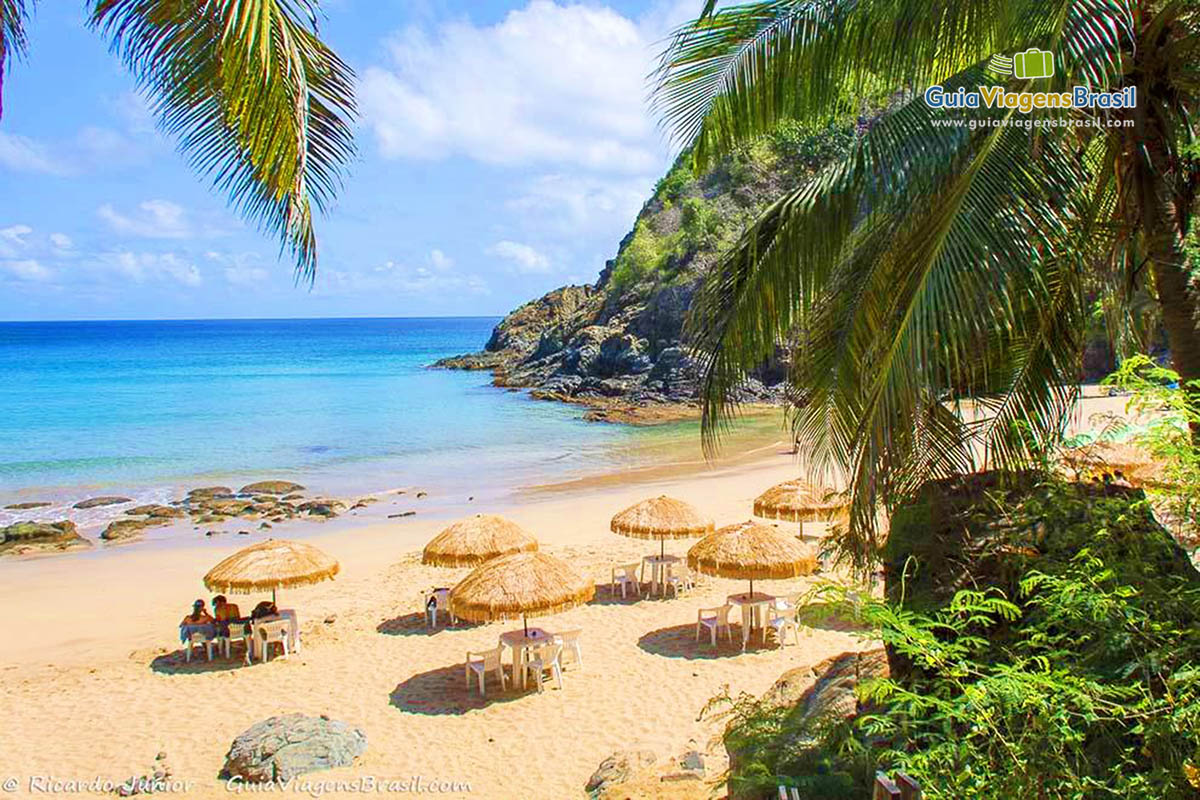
[{"x": 243, "y": 319}]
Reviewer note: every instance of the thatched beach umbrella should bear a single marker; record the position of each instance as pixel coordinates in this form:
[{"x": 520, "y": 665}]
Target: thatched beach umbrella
[
  {"x": 528, "y": 584},
  {"x": 273, "y": 564},
  {"x": 661, "y": 518},
  {"x": 471, "y": 541},
  {"x": 1101, "y": 458},
  {"x": 799, "y": 501},
  {"x": 752, "y": 551}
]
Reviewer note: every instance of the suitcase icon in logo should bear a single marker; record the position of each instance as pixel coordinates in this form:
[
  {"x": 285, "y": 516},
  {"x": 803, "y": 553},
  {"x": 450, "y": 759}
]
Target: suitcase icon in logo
[{"x": 1033, "y": 63}]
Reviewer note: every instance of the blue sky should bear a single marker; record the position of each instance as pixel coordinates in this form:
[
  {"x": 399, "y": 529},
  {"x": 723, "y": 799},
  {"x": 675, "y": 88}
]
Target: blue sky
[{"x": 504, "y": 149}]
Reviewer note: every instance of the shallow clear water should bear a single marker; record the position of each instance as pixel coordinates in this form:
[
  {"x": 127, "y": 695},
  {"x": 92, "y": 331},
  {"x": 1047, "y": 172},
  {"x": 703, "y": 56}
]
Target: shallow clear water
[{"x": 342, "y": 405}]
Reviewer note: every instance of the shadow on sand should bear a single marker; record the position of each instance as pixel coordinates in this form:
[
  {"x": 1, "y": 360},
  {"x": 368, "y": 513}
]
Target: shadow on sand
[
  {"x": 414, "y": 625},
  {"x": 444, "y": 691},
  {"x": 174, "y": 664},
  {"x": 680, "y": 641}
]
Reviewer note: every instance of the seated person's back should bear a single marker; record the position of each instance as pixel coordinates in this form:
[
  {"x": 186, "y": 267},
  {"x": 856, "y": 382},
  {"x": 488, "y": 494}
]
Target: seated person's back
[
  {"x": 199, "y": 615},
  {"x": 224, "y": 611}
]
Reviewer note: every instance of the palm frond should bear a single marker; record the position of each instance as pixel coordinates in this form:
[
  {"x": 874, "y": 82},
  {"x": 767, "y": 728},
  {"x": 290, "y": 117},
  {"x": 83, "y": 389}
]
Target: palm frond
[
  {"x": 254, "y": 98},
  {"x": 732, "y": 75},
  {"x": 13, "y": 16},
  {"x": 924, "y": 268}
]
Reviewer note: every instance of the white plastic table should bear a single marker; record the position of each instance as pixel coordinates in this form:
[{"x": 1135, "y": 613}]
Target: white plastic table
[
  {"x": 753, "y": 608},
  {"x": 520, "y": 644},
  {"x": 658, "y": 565}
]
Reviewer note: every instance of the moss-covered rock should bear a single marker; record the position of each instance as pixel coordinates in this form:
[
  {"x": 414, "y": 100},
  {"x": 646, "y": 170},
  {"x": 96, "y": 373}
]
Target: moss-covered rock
[{"x": 33, "y": 537}]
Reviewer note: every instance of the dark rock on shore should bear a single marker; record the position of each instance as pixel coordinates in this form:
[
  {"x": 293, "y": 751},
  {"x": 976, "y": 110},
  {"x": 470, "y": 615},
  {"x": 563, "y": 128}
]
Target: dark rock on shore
[
  {"x": 125, "y": 529},
  {"x": 156, "y": 510},
  {"x": 33, "y": 537},
  {"x": 283, "y": 747},
  {"x": 271, "y": 487},
  {"x": 209, "y": 491},
  {"x": 96, "y": 502},
  {"x": 28, "y": 505}
]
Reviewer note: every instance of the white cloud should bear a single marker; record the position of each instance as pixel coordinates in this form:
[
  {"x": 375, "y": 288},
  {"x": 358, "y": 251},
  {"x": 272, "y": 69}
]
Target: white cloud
[
  {"x": 571, "y": 203},
  {"x": 22, "y": 154},
  {"x": 523, "y": 258},
  {"x": 155, "y": 219},
  {"x": 61, "y": 241},
  {"x": 143, "y": 267},
  {"x": 437, "y": 276},
  {"x": 547, "y": 84},
  {"x": 15, "y": 234},
  {"x": 26, "y": 269}
]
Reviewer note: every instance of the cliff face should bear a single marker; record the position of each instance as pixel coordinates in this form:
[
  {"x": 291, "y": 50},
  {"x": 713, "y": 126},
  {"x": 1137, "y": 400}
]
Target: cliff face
[{"x": 622, "y": 342}]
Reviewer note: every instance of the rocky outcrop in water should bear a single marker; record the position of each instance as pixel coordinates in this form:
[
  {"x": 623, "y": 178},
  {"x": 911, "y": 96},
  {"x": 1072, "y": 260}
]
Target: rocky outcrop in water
[
  {"x": 40, "y": 537},
  {"x": 622, "y": 343}
]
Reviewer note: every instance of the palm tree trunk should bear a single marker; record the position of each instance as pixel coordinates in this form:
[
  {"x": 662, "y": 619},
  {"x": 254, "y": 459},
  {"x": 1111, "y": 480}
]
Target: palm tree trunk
[{"x": 1163, "y": 232}]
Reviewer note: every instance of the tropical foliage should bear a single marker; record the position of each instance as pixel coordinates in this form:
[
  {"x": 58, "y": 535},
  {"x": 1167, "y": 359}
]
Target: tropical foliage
[
  {"x": 1074, "y": 676},
  {"x": 247, "y": 88},
  {"x": 948, "y": 261}
]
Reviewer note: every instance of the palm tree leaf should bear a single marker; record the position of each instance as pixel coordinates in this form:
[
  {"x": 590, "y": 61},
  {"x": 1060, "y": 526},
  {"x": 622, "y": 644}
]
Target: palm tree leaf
[
  {"x": 254, "y": 98},
  {"x": 13, "y": 16}
]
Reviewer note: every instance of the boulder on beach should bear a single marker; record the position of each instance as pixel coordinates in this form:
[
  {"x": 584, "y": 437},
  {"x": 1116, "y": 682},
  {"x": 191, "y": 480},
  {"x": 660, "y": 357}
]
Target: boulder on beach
[
  {"x": 32, "y": 537},
  {"x": 27, "y": 505},
  {"x": 124, "y": 529},
  {"x": 96, "y": 502},
  {"x": 283, "y": 747},
  {"x": 209, "y": 491},
  {"x": 155, "y": 510},
  {"x": 271, "y": 487}
]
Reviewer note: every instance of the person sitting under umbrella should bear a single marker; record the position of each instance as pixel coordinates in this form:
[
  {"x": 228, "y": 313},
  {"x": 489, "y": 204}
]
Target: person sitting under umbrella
[{"x": 199, "y": 615}]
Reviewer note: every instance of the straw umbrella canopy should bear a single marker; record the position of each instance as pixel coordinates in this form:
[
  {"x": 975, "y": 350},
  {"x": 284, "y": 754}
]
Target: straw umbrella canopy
[
  {"x": 471, "y": 541},
  {"x": 273, "y": 564},
  {"x": 752, "y": 551},
  {"x": 1107, "y": 458},
  {"x": 529, "y": 584},
  {"x": 661, "y": 518},
  {"x": 798, "y": 501}
]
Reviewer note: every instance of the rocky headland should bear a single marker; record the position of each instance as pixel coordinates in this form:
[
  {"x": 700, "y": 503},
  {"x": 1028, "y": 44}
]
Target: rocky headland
[{"x": 620, "y": 346}]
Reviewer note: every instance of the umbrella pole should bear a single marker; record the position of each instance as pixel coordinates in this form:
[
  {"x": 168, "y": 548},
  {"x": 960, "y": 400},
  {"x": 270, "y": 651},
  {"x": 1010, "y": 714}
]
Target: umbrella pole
[
  {"x": 525, "y": 624},
  {"x": 272, "y": 595},
  {"x": 752, "y": 588},
  {"x": 662, "y": 548}
]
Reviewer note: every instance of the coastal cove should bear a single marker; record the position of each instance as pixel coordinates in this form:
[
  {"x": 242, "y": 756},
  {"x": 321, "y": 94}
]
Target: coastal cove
[{"x": 346, "y": 407}]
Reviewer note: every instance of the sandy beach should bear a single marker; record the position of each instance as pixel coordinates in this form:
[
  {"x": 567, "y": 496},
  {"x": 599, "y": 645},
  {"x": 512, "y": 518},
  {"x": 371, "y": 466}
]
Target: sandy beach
[{"x": 91, "y": 648}]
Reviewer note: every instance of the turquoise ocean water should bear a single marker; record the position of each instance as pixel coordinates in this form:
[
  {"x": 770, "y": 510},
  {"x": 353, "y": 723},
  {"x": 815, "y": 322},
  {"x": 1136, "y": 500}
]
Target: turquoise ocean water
[{"x": 342, "y": 405}]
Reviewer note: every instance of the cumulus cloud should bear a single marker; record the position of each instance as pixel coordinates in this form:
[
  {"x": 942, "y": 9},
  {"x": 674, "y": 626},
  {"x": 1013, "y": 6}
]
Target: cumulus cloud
[
  {"x": 143, "y": 267},
  {"x": 27, "y": 269},
  {"x": 436, "y": 275},
  {"x": 23, "y": 154},
  {"x": 154, "y": 219},
  {"x": 521, "y": 257},
  {"x": 571, "y": 203},
  {"x": 549, "y": 83}
]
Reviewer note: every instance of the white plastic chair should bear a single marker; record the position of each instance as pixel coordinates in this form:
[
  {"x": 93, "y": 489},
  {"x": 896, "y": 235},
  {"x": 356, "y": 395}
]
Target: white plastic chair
[
  {"x": 481, "y": 663},
  {"x": 714, "y": 619},
  {"x": 440, "y": 602},
  {"x": 546, "y": 659},
  {"x": 570, "y": 643},
  {"x": 623, "y": 576},
  {"x": 781, "y": 621},
  {"x": 194, "y": 638},
  {"x": 276, "y": 630},
  {"x": 236, "y": 632},
  {"x": 679, "y": 577}
]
